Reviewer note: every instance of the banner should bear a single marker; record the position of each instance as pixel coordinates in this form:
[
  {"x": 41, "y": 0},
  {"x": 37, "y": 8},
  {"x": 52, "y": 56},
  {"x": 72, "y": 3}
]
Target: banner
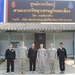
[{"x": 41, "y": 11}]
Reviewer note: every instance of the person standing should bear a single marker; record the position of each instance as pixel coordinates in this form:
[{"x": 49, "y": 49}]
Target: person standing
[
  {"x": 42, "y": 57},
  {"x": 62, "y": 55},
  {"x": 32, "y": 56},
  {"x": 52, "y": 55},
  {"x": 22, "y": 55},
  {"x": 10, "y": 57}
]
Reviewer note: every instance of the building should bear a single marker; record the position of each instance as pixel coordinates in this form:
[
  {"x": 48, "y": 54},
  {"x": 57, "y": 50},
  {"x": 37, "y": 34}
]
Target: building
[
  {"x": 42, "y": 21},
  {"x": 45, "y": 33}
]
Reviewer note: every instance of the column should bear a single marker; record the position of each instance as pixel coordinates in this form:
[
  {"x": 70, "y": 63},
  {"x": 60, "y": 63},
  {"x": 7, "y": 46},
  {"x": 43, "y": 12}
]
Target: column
[
  {"x": 74, "y": 47},
  {"x": 9, "y": 38},
  {"x": 23, "y": 37},
  {"x": 54, "y": 39}
]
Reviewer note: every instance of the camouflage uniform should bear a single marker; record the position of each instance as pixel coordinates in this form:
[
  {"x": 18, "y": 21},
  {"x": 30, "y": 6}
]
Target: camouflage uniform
[
  {"x": 42, "y": 56},
  {"x": 52, "y": 55},
  {"x": 22, "y": 55}
]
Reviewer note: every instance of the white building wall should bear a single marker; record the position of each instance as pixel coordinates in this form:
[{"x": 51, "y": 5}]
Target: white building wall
[
  {"x": 67, "y": 39},
  {"x": 3, "y": 46},
  {"x": 49, "y": 39},
  {"x": 3, "y": 43},
  {"x": 16, "y": 37},
  {"x": 29, "y": 39}
]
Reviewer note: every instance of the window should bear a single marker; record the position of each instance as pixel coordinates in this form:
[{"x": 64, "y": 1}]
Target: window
[{"x": 14, "y": 44}]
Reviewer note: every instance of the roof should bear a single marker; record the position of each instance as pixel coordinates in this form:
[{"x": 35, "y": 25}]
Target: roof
[{"x": 37, "y": 26}]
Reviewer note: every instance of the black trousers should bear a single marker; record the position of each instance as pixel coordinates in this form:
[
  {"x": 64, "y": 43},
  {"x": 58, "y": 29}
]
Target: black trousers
[
  {"x": 32, "y": 64},
  {"x": 10, "y": 62},
  {"x": 62, "y": 64}
]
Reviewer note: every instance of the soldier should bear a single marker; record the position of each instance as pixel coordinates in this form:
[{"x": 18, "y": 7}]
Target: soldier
[
  {"x": 62, "y": 55},
  {"x": 22, "y": 55},
  {"x": 32, "y": 56},
  {"x": 42, "y": 57},
  {"x": 10, "y": 57},
  {"x": 52, "y": 55}
]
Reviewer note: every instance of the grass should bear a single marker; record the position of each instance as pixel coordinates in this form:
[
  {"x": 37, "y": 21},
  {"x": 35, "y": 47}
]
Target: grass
[
  {"x": 71, "y": 57},
  {"x": 1, "y": 61}
]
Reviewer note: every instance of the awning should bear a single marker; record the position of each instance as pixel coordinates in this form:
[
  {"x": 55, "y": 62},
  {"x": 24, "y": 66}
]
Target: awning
[{"x": 37, "y": 26}]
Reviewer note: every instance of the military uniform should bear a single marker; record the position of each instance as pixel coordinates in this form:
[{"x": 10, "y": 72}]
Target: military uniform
[
  {"x": 52, "y": 55},
  {"x": 22, "y": 55},
  {"x": 42, "y": 56}
]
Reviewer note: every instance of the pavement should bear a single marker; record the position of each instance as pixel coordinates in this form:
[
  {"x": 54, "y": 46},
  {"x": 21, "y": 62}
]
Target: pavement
[{"x": 70, "y": 68}]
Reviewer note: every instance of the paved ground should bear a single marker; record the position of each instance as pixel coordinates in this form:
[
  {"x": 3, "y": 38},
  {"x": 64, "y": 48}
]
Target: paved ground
[{"x": 70, "y": 68}]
